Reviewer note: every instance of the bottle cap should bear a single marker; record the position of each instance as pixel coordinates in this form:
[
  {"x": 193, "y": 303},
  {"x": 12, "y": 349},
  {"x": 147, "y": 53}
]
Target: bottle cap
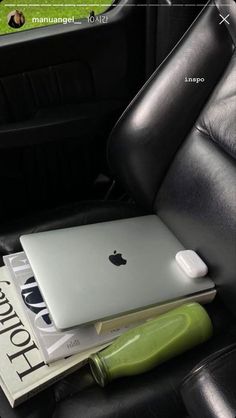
[{"x": 98, "y": 369}]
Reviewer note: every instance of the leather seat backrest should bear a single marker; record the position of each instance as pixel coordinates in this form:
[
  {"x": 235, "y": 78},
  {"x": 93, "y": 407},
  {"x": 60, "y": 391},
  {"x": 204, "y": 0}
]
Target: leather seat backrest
[{"x": 174, "y": 148}]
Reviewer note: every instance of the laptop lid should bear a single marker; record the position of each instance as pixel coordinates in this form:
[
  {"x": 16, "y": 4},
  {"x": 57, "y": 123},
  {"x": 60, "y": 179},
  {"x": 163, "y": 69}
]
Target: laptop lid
[{"x": 94, "y": 272}]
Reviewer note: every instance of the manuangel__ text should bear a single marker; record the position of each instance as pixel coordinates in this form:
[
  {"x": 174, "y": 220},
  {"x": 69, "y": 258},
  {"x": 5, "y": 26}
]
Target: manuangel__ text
[{"x": 51, "y": 20}]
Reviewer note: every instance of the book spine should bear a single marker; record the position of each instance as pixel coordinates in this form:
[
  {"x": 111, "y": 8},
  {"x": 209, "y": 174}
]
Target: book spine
[{"x": 135, "y": 318}]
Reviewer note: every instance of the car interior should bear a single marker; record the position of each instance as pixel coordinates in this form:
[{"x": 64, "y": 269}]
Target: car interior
[{"x": 103, "y": 121}]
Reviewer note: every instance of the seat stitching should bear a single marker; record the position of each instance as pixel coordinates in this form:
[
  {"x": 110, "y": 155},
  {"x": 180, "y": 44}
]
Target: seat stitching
[{"x": 209, "y": 136}]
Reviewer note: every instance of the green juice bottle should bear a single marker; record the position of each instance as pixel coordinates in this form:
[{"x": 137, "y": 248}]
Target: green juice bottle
[{"x": 144, "y": 347}]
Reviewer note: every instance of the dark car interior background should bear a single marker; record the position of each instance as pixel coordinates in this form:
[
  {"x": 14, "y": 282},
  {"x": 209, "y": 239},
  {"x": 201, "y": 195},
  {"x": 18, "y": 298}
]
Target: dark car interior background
[
  {"x": 62, "y": 163},
  {"x": 62, "y": 96}
]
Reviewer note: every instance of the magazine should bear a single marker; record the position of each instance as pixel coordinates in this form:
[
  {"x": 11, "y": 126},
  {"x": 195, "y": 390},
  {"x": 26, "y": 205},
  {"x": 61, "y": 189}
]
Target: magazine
[
  {"x": 23, "y": 372},
  {"x": 53, "y": 344}
]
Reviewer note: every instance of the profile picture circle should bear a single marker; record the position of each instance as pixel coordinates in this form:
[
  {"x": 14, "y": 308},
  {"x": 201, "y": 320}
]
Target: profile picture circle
[{"x": 15, "y": 19}]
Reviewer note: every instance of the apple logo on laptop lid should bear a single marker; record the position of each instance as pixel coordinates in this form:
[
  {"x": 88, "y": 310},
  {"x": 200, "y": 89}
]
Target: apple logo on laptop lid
[{"x": 117, "y": 259}]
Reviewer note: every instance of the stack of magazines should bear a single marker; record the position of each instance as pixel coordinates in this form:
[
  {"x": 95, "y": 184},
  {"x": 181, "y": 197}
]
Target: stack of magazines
[{"x": 34, "y": 354}]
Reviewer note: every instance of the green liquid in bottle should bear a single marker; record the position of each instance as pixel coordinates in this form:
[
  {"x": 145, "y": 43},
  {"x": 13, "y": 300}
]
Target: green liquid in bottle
[{"x": 144, "y": 347}]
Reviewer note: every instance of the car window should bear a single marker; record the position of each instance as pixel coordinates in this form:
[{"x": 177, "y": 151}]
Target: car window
[{"x": 28, "y": 14}]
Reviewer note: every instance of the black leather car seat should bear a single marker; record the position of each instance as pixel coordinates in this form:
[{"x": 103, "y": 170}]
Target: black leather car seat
[
  {"x": 178, "y": 163},
  {"x": 174, "y": 150}
]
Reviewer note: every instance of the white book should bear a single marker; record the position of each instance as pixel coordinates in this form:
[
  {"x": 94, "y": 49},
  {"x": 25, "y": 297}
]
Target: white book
[
  {"x": 23, "y": 372},
  {"x": 53, "y": 344}
]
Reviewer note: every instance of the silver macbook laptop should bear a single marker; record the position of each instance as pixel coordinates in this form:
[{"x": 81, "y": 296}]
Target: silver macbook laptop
[{"x": 99, "y": 271}]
